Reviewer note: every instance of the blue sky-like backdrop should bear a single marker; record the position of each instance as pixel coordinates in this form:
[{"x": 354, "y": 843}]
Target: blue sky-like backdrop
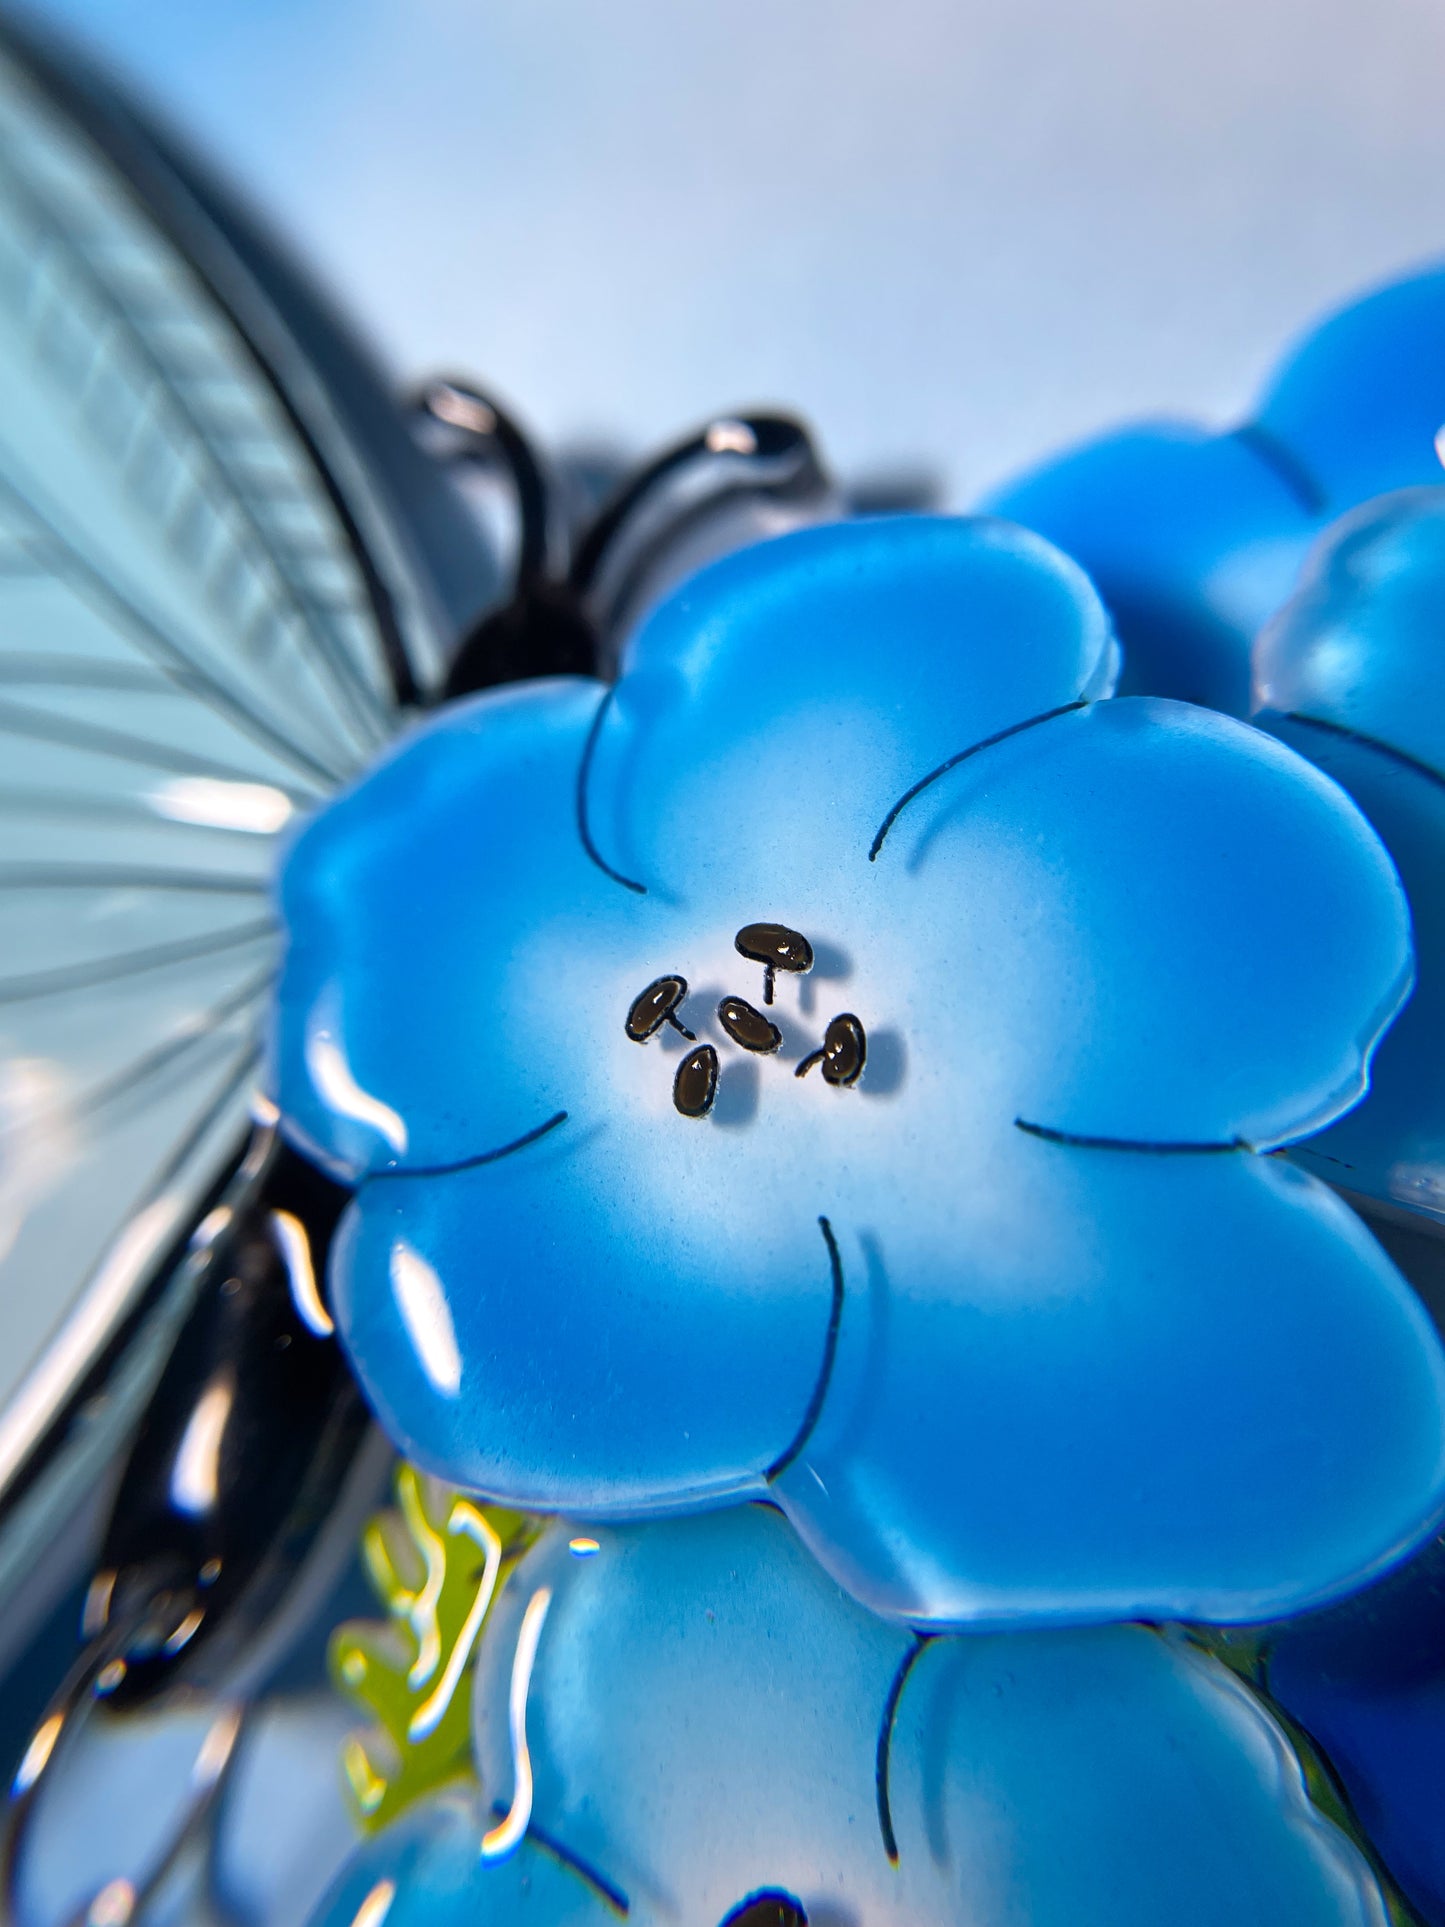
[{"x": 955, "y": 233}]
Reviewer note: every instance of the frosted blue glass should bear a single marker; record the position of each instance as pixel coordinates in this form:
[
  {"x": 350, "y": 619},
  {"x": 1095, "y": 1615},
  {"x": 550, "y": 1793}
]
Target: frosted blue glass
[
  {"x": 707, "y": 1716},
  {"x": 1356, "y": 655},
  {"x": 1101, "y": 952},
  {"x": 1357, "y": 402},
  {"x": 1358, "y": 644},
  {"x": 1392, "y": 1146},
  {"x": 1111, "y": 1444},
  {"x": 426, "y": 1870},
  {"x": 1195, "y": 539},
  {"x": 1192, "y": 539}
]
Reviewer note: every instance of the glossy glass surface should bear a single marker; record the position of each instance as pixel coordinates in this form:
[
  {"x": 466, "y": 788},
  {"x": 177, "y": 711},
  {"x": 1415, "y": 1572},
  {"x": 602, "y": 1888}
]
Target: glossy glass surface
[
  {"x": 974, "y": 1316},
  {"x": 707, "y": 1715}
]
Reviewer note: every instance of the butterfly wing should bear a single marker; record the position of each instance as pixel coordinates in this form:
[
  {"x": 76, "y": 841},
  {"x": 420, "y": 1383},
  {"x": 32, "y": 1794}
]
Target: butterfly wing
[{"x": 210, "y": 617}]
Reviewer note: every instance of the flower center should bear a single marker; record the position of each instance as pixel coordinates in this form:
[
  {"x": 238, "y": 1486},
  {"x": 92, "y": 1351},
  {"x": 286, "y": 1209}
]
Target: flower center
[{"x": 842, "y": 1054}]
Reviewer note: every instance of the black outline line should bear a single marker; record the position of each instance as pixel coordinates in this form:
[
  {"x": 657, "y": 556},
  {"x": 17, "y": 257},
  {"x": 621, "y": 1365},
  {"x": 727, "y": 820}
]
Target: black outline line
[
  {"x": 830, "y": 1352},
  {"x": 1287, "y": 466},
  {"x": 1155, "y": 1147},
  {"x": 470, "y": 1164},
  {"x": 584, "y": 771},
  {"x": 1365, "y": 742},
  {"x": 1001, "y": 736},
  {"x": 574, "y": 1863},
  {"x": 881, "y": 1758}
]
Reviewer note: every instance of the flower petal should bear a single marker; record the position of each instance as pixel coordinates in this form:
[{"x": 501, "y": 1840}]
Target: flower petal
[
  {"x": 1156, "y": 925},
  {"x": 426, "y": 1870},
  {"x": 1193, "y": 540},
  {"x": 775, "y": 706},
  {"x": 1359, "y": 401},
  {"x": 446, "y": 932},
  {"x": 568, "y": 1330},
  {"x": 1116, "y": 1385},
  {"x": 1392, "y": 1146},
  {"x": 1358, "y": 645},
  {"x": 708, "y": 1717}
]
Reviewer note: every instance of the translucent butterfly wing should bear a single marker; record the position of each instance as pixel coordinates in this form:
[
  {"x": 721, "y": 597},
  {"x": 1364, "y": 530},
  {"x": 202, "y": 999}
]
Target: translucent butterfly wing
[{"x": 193, "y": 652}]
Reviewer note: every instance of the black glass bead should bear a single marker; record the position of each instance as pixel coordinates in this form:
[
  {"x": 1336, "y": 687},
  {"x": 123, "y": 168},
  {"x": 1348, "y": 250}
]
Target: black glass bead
[
  {"x": 652, "y": 1007},
  {"x": 845, "y": 1050},
  {"x": 747, "y": 1026},
  {"x": 695, "y": 1086},
  {"x": 775, "y": 945}
]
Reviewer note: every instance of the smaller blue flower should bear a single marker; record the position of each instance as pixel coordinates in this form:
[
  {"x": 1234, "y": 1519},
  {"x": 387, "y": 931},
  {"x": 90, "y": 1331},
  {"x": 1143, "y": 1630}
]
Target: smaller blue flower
[
  {"x": 833, "y": 1062},
  {"x": 1202, "y": 546},
  {"x": 1195, "y": 538},
  {"x": 692, "y": 1714},
  {"x": 1351, "y": 674}
]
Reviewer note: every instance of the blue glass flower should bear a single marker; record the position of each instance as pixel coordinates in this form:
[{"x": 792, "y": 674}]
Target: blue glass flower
[
  {"x": 693, "y": 1714},
  {"x": 832, "y": 1062},
  {"x": 1195, "y": 539},
  {"x": 1198, "y": 542}
]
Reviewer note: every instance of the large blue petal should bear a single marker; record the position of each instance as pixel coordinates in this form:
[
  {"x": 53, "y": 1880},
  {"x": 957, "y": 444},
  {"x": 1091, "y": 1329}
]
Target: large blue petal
[
  {"x": 1193, "y": 540},
  {"x": 449, "y": 940},
  {"x": 1358, "y": 402},
  {"x": 772, "y": 710},
  {"x": 1114, "y": 1385},
  {"x": 591, "y": 1324},
  {"x": 708, "y": 1717},
  {"x": 1152, "y": 925}
]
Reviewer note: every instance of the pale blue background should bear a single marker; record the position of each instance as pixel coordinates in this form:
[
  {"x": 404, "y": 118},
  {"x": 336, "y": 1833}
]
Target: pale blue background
[{"x": 955, "y": 234}]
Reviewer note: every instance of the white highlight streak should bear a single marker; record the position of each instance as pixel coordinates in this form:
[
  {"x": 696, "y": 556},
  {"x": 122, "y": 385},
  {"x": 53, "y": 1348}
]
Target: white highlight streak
[
  {"x": 196, "y": 1472},
  {"x": 217, "y": 1747},
  {"x": 465, "y": 1518},
  {"x": 507, "y": 1835},
  {"x": 296, "y": 1252},
  {"x": 423, "y": 1307},
  {"x": 376, "y": 1906},
  {"x": 37, "y": 1755},
  {"x": 216, "y": 804},
  {"x": 331, "y": 1074}
]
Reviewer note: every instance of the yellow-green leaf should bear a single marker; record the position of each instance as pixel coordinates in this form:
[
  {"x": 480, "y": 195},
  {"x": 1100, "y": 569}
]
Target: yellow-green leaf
[{"x": 437, "y": 1562}]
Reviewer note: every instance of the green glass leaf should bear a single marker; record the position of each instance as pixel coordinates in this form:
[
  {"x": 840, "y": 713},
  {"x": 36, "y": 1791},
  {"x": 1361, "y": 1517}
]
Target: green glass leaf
[{"x": 437, "y": 1561}]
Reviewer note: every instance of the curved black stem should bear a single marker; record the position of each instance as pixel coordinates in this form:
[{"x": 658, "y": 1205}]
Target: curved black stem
[{"x": 491, "y": 436}]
